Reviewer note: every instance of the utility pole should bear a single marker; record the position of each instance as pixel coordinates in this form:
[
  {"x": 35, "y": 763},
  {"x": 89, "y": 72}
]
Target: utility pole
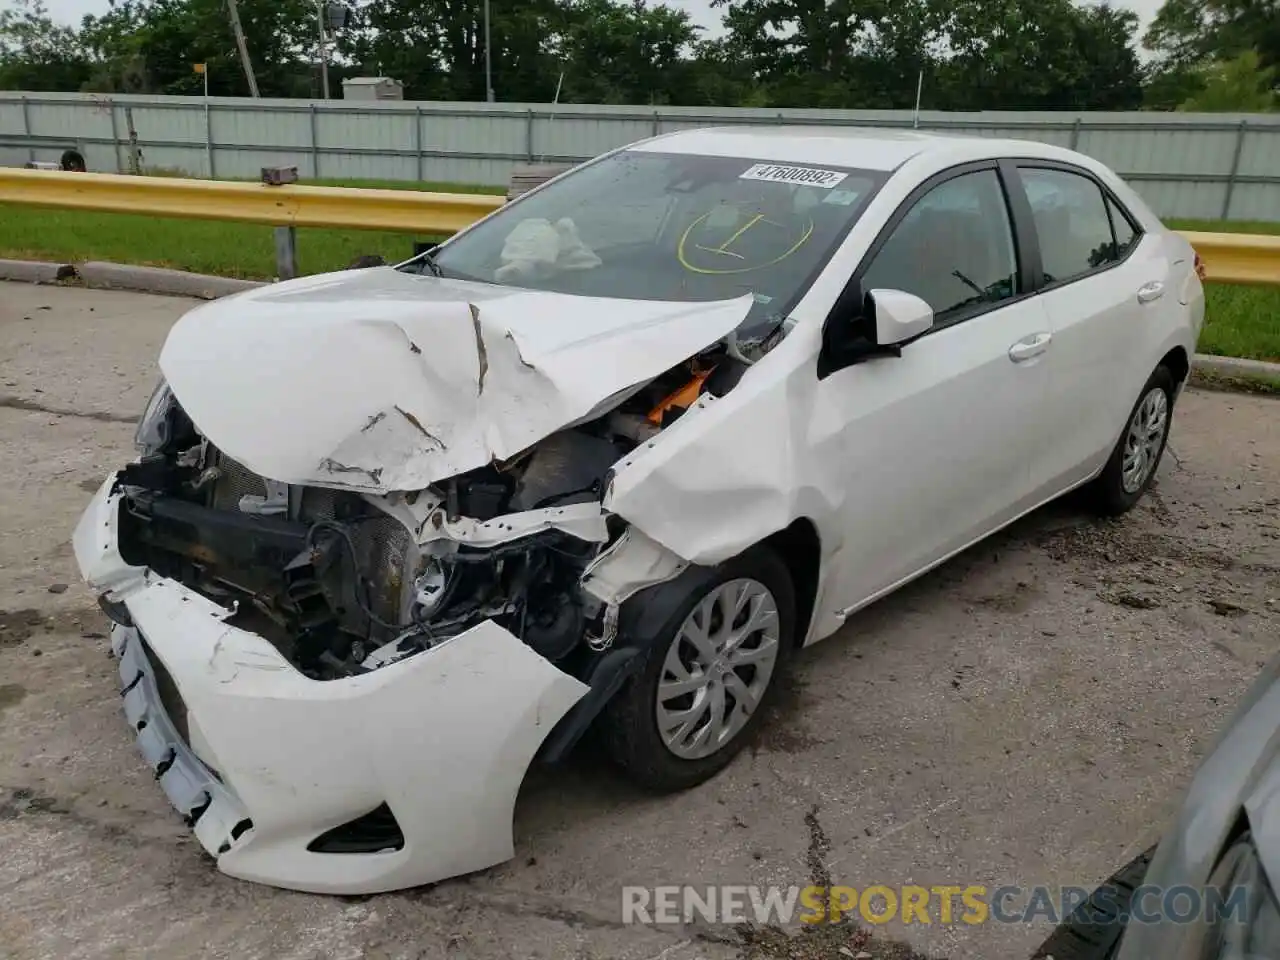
[
  {"x": 324, "y": 59},
  {"x": 234, "y": 13},
  {"x": 488, "y": 57}
]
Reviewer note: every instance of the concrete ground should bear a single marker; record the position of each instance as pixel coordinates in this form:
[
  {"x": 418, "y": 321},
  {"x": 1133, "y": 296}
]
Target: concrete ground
[{"x": 1026, "y": 714}]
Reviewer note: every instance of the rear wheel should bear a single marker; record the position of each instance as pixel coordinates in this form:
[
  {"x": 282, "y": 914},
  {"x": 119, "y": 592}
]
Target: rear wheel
[
  {"x": 1136, "y": 457},
  {"x": 709, "y": 671}
]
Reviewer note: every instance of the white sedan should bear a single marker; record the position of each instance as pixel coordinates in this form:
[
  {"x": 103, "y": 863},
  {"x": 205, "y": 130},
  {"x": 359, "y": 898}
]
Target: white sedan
[{"x": 605, "y": 460}]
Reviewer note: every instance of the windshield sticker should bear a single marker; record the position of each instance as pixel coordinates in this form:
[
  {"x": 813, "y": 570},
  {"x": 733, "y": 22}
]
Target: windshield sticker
[
  {"x": 844, "y": 198},
  {"x": 802, "y": 176}
]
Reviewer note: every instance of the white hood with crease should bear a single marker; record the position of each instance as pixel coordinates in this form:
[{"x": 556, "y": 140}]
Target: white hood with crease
[{"x": 378, "y": 380}]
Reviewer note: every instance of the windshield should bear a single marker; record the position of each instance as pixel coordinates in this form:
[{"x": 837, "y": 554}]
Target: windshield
[{"x": 653, "y": 226}]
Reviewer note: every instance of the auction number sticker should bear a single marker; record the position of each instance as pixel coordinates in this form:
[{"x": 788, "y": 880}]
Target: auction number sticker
[{"x": 801, "y": 176}]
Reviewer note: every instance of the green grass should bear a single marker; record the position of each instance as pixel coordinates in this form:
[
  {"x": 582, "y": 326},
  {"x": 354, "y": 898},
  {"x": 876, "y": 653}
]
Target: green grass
[
  {"x": 1240, "y": 321},
  {"x": 202, "y": 246}
]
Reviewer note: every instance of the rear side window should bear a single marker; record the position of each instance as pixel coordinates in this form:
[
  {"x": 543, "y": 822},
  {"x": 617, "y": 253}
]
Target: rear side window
[
  {"x": 954, "y": 249},
  {"x": 1072, "y": 223},
  {"x": 1126, "y": 235}
]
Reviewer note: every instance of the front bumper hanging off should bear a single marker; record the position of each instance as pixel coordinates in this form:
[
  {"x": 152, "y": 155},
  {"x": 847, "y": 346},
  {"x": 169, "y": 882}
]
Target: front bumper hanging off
[{"x": 263, "y": 760}]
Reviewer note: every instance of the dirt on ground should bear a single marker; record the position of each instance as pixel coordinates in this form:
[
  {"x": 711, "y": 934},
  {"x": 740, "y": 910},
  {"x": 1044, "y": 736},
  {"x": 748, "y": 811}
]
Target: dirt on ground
[{"x": 1028, "y": 713}]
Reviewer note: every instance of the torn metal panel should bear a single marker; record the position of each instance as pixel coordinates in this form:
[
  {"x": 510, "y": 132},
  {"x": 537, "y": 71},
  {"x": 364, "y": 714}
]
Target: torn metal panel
[
  {"x": 586, "y": 521},
  {"x": 734, "y": 470},
  {"x": 427, "y": 519},
  {"x": 633, "y": 563},
  {"x": 378, "y": 380}
]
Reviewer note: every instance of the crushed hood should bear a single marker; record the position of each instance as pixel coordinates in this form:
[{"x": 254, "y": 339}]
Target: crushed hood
[{"x": 378, "y": 380}]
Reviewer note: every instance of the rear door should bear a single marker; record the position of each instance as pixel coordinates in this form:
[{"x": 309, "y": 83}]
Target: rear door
[{"x": 1100, "y": 281}]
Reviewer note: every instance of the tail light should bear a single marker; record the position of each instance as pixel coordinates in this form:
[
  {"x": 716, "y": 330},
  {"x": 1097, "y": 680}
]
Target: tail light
[{"x": 1200, "y": 269}]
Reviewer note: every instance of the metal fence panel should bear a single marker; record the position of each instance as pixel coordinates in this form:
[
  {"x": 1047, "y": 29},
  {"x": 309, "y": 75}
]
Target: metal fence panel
[
  {"x": 274, "y": 129},
  {"x": 1202, "y": 166},
  {"x": 1259, "y": 151}
]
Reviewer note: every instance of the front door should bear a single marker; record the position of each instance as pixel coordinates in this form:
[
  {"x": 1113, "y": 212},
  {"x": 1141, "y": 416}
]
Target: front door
[{"x": 934, "y": 442}]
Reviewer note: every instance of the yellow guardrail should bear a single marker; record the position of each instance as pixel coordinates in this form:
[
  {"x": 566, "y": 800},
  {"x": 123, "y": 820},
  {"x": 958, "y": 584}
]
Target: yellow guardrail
[
  {"x": 1238, "y": 257},
  {"x": 290, "y": 205},
  {"x": 1228, "y": 257}
]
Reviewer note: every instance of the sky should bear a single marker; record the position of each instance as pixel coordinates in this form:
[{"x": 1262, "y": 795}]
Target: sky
[{"x": 70, "y": 11}]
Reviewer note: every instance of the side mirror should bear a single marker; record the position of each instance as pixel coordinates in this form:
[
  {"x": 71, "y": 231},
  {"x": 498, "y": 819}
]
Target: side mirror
[
  {"x": 860, "y": 327},
  {"x": 895, "y": 316}
]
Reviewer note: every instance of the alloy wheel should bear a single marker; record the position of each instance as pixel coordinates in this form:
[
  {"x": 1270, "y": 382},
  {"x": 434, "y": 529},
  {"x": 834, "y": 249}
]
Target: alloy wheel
[
  {"x": 717, "y": 668},
  {"x": 1144, "y": 440}
]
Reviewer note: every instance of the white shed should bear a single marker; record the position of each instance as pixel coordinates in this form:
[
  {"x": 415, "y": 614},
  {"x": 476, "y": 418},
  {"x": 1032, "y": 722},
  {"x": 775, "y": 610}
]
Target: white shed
[{"x": 372, "y": 88}]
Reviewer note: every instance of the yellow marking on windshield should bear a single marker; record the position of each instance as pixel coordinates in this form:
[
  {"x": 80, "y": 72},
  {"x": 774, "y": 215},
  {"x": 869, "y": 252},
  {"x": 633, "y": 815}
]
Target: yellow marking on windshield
[
  {"x": 724, "y": 247},
  {"x": 682, "y": 256}
]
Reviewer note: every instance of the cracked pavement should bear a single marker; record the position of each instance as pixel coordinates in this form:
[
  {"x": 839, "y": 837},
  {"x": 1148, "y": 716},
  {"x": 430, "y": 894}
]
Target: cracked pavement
[{"x": 1028, "y": 713}]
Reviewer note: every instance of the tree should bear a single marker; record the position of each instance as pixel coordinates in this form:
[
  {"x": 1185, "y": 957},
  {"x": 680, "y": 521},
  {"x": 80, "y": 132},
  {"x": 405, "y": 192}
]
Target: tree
[
  {"x": 625, "y": 53},
  {"x": 1192, "y": 32},
  {"x": 1166, "y": 85},
  {"x": 1039, "y": 54},
  {"x": 1105, "y": 40},
  {"x": 971, "y": 54},
  {"x": 38, "y": 54},
  {"x": 1241, "y": 85},
  {"x": 842, "y": 53},
  {"x": 436, "y": 47},
  {"x": 153, "y": 44}
]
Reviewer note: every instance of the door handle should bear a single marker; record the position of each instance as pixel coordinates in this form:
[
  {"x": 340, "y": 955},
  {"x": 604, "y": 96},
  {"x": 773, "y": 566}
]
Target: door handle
[
  {"x": 1029, "y": 347},
  {"x": 1150, "y": 291}
]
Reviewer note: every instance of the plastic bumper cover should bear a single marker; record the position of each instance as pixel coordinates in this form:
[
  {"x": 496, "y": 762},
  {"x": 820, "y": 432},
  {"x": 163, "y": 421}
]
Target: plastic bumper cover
[{"x": 442, "y": 738}]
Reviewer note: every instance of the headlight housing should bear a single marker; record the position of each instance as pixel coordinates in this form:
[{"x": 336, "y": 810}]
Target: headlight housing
[{"x": 155, "y": 429}]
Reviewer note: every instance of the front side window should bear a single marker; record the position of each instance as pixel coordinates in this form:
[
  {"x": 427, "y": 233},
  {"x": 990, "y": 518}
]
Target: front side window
[
  {"x": 954, "y": 248},
  {"x": 653, "y": 226},
  {"x": 1072, "y": 223}
]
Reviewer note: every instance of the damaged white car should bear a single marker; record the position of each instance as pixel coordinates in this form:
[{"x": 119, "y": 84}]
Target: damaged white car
[{"x": 606, "y": 458}]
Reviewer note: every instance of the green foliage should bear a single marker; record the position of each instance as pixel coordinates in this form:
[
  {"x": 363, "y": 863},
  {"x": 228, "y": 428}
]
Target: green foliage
[
  {"x": 151, "y": 46},
  {"x": 38, "y": 54},
  {"x": 1240, "y": 85},
  {"x": 973, "y": 54},
  {"x": 1216, "y": 55}
]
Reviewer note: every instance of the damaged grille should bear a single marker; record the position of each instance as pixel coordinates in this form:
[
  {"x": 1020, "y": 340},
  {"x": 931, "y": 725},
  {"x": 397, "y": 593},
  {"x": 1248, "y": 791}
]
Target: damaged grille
[
  {"x": 382, "y": 544},
  {"x": 235, "y": 481}
]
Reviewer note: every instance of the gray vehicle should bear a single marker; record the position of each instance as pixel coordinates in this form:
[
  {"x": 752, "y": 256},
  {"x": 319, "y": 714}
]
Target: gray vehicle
[{"x": 1220, "y": 856}]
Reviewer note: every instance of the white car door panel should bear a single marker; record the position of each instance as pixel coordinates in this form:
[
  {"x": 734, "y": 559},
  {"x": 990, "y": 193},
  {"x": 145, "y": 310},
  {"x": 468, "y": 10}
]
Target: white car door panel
[
  {"x": 934, "y": 443},
  {"x": 1105, "y": 285}
]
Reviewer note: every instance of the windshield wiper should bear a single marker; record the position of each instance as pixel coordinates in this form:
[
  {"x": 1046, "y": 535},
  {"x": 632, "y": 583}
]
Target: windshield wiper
[{"x": 428, "y": 258}]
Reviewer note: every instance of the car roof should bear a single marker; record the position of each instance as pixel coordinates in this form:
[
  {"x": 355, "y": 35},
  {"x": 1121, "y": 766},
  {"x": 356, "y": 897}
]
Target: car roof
[{"x": 864, "y": 148}]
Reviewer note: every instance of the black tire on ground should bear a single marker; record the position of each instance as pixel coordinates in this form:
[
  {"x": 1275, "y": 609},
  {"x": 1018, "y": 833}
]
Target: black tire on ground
[
  {"x": 1108, "y": 493},
  {"x": 650, "y": 620},
  {"x": 1093, "y": 930}
]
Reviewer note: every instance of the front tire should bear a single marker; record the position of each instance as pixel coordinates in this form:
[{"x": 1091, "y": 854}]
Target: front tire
[
  {"x": 1094, "y": 929},
  {"x": 1136, "y": 457},
  {"x": 715, "y": 640}
]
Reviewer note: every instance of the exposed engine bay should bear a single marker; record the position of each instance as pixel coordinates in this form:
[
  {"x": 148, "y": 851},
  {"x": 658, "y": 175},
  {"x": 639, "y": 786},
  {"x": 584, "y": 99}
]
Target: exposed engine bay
[{"x": 343, "y": 582}]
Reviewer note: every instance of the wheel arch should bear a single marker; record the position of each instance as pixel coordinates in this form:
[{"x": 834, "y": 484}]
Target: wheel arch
[
  {"x": 800, "y": 548},
  {"x": 1178, "y": 363}
]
